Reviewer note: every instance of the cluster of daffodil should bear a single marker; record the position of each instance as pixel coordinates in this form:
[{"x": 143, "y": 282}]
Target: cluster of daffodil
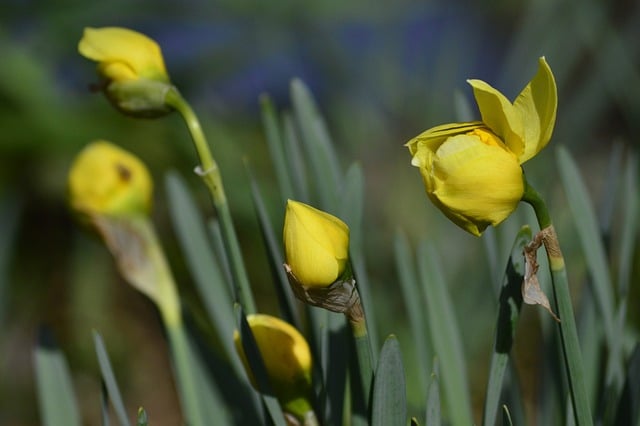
[
  {"x": 472, "y": 172},
  {"x": 112, "y": 190}
]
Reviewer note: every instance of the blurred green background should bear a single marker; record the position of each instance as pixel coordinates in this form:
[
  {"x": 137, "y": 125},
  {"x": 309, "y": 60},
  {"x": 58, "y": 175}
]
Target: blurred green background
[{"x": 381, "y": 74}]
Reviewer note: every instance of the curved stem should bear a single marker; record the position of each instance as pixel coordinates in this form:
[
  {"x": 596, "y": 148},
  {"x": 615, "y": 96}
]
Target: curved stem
[
  {"x": 567, "y": 325},
  {"x": 210, "y": 174}
]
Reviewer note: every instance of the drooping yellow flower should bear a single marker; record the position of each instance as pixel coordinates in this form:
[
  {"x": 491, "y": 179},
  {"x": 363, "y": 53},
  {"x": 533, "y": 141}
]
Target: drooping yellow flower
[
  {"x": 107, "y": 180},
  {"x": 287, "y": 360},
  {"x": 472, "y": 171},
  {"x": 133, "y": 67},
  {"x": 316, "y": 245}
]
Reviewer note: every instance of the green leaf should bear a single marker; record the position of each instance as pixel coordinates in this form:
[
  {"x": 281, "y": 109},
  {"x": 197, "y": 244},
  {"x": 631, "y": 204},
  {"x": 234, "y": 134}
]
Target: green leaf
[
  {"x": 510, "y": 303},
  {"x": 211, "y": 284},
  {"x": 113, "y": 391},
  {"x": 286, "y": 298},
  {"x": 596, "y": 259},
  {"x": 276, "y": 147},
  {"x": 10, "y": 207},
  {"x": 315, "y": 138},
  {"x": 389, "y": 389},
  {"x": 142, "y": 419},
  {"x": 56, "y": 399},
  {"x": 412, "y": 298},
  {"x": 295, "y": 160},
  {"x": 433, "y": 398},
  {"x": 628, "y": 411},
  {"x": 445, "y": 336}
]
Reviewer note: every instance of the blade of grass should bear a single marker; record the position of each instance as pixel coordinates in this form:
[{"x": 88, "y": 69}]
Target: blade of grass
[
  {"x": 433, "y": 398},
  {"x": 352, "y": 205},
  {"x": 295, "y": 160},
  {"x": 389, "y": 405},
  {"x": 508, "y": 313},
  {"x": 628, "y": 410},
  {"x": 56, "y": 398},
  {"x": 596, "y": 258},
  {"x": 200, "y": 259},
  {"x": 276, "y": 147},
  {"x": 315, "y": 138},
  {"x": 109, "y": 378},
  {"x": 445, "y": 336},
  {"x": 286, "y": 298},
  {"x": 410, "y": 287}
]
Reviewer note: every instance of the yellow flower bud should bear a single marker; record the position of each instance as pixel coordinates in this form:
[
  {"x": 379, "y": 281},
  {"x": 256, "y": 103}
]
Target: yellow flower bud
[
  {"x": 287, "y": 360},
  {"x": 132, "y": 65},
  {"x": 107, "y": 180},
  {"x": 316, "y": 245},
  {"x": 472, "y": 171}
]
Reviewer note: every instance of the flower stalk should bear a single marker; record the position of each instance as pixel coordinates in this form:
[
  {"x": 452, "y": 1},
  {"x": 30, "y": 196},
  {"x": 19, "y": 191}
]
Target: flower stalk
[
  {"x": 210, "y": 174},
  {"x": 562, "y": 296}
]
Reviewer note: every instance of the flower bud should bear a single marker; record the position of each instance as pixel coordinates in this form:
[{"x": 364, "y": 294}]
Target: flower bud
[
  {"x": 136, "y": 80},
  {"x": 107, "y": 180},
  {"x": 316, "y": 245},
  {"x": 287, "y": 360}
]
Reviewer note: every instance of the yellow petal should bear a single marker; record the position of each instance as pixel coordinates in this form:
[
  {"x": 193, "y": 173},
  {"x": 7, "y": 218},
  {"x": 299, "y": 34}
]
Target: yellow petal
[
  {"x": 316, "y": 244},
  {"x": 499, "y": 115},
  {"x": 476, "y": 181},
  {"x": 286, "y": 356},
  {"x": 537, "y": 104},
  {"x": 130, "y": 48},
  {"x": 105, "y": 179},
  {"x": 435, "y": 136}
]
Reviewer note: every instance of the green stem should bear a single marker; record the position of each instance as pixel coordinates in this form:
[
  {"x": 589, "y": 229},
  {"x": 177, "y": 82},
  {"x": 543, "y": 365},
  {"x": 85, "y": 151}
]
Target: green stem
[
  {"x": 210, "y": 174},
  {"x": 185, "y": 377},
  {"x": 567, "y": 325}
]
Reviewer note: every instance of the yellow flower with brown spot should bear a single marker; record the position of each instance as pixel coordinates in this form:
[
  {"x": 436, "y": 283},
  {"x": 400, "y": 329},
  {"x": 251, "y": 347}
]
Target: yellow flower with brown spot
[
  {"x": 136, "y": 79},
  {"x": 316, "y": 245},
  {"x": 107, "y": 180},
  {"x": 472, "y": 171}
]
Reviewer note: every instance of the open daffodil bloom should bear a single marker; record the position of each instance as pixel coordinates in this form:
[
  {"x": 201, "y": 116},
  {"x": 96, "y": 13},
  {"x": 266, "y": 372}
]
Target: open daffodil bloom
[{"x": 472, "y": 171}]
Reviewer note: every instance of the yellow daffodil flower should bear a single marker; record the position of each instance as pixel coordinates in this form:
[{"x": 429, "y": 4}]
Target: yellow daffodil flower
[
  {"x": 472, "y": 171},
  {"x": 133, "y": 67},
  {"x": 316, "y": 245},
  {"x": 287, "y": 360},
  {"x": 105, "y": 179}
]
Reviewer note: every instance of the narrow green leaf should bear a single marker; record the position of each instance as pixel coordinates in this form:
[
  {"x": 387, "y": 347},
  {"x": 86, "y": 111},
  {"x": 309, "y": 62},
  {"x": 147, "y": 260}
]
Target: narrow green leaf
[
  {"x": 254, "y": 359},
  {"x": 113, "y": 391},
  {"x": 628, "y": 411},
  {"x": 286, "y": 298},
  {"x": 510, "y": 303},
  {"x": 104, "y": 404},
  {"x": 295, "y": 160},
  {"x": 433, "y": 399},
  {"x": 389, "y": 388},
  {"x": 56, "y": 398},
  {"x": 143, "y": 419},
  {"x": 352, "y": 206},
  {"x": 276, "y": 146},
  {"x": 506, "y": 416},
  {"x": 629, "y": 230},
  {"x": 315, "y": 138},
  {"x": 445, "y": 336},
  {"x": 211, "y": 284},
  {"x": 593, "y": 248},
  {"x": 412, "y": 298}
]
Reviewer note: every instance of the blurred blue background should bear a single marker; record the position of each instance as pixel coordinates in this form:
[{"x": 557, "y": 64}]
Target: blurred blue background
[{"x": 381, "y": 73}]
